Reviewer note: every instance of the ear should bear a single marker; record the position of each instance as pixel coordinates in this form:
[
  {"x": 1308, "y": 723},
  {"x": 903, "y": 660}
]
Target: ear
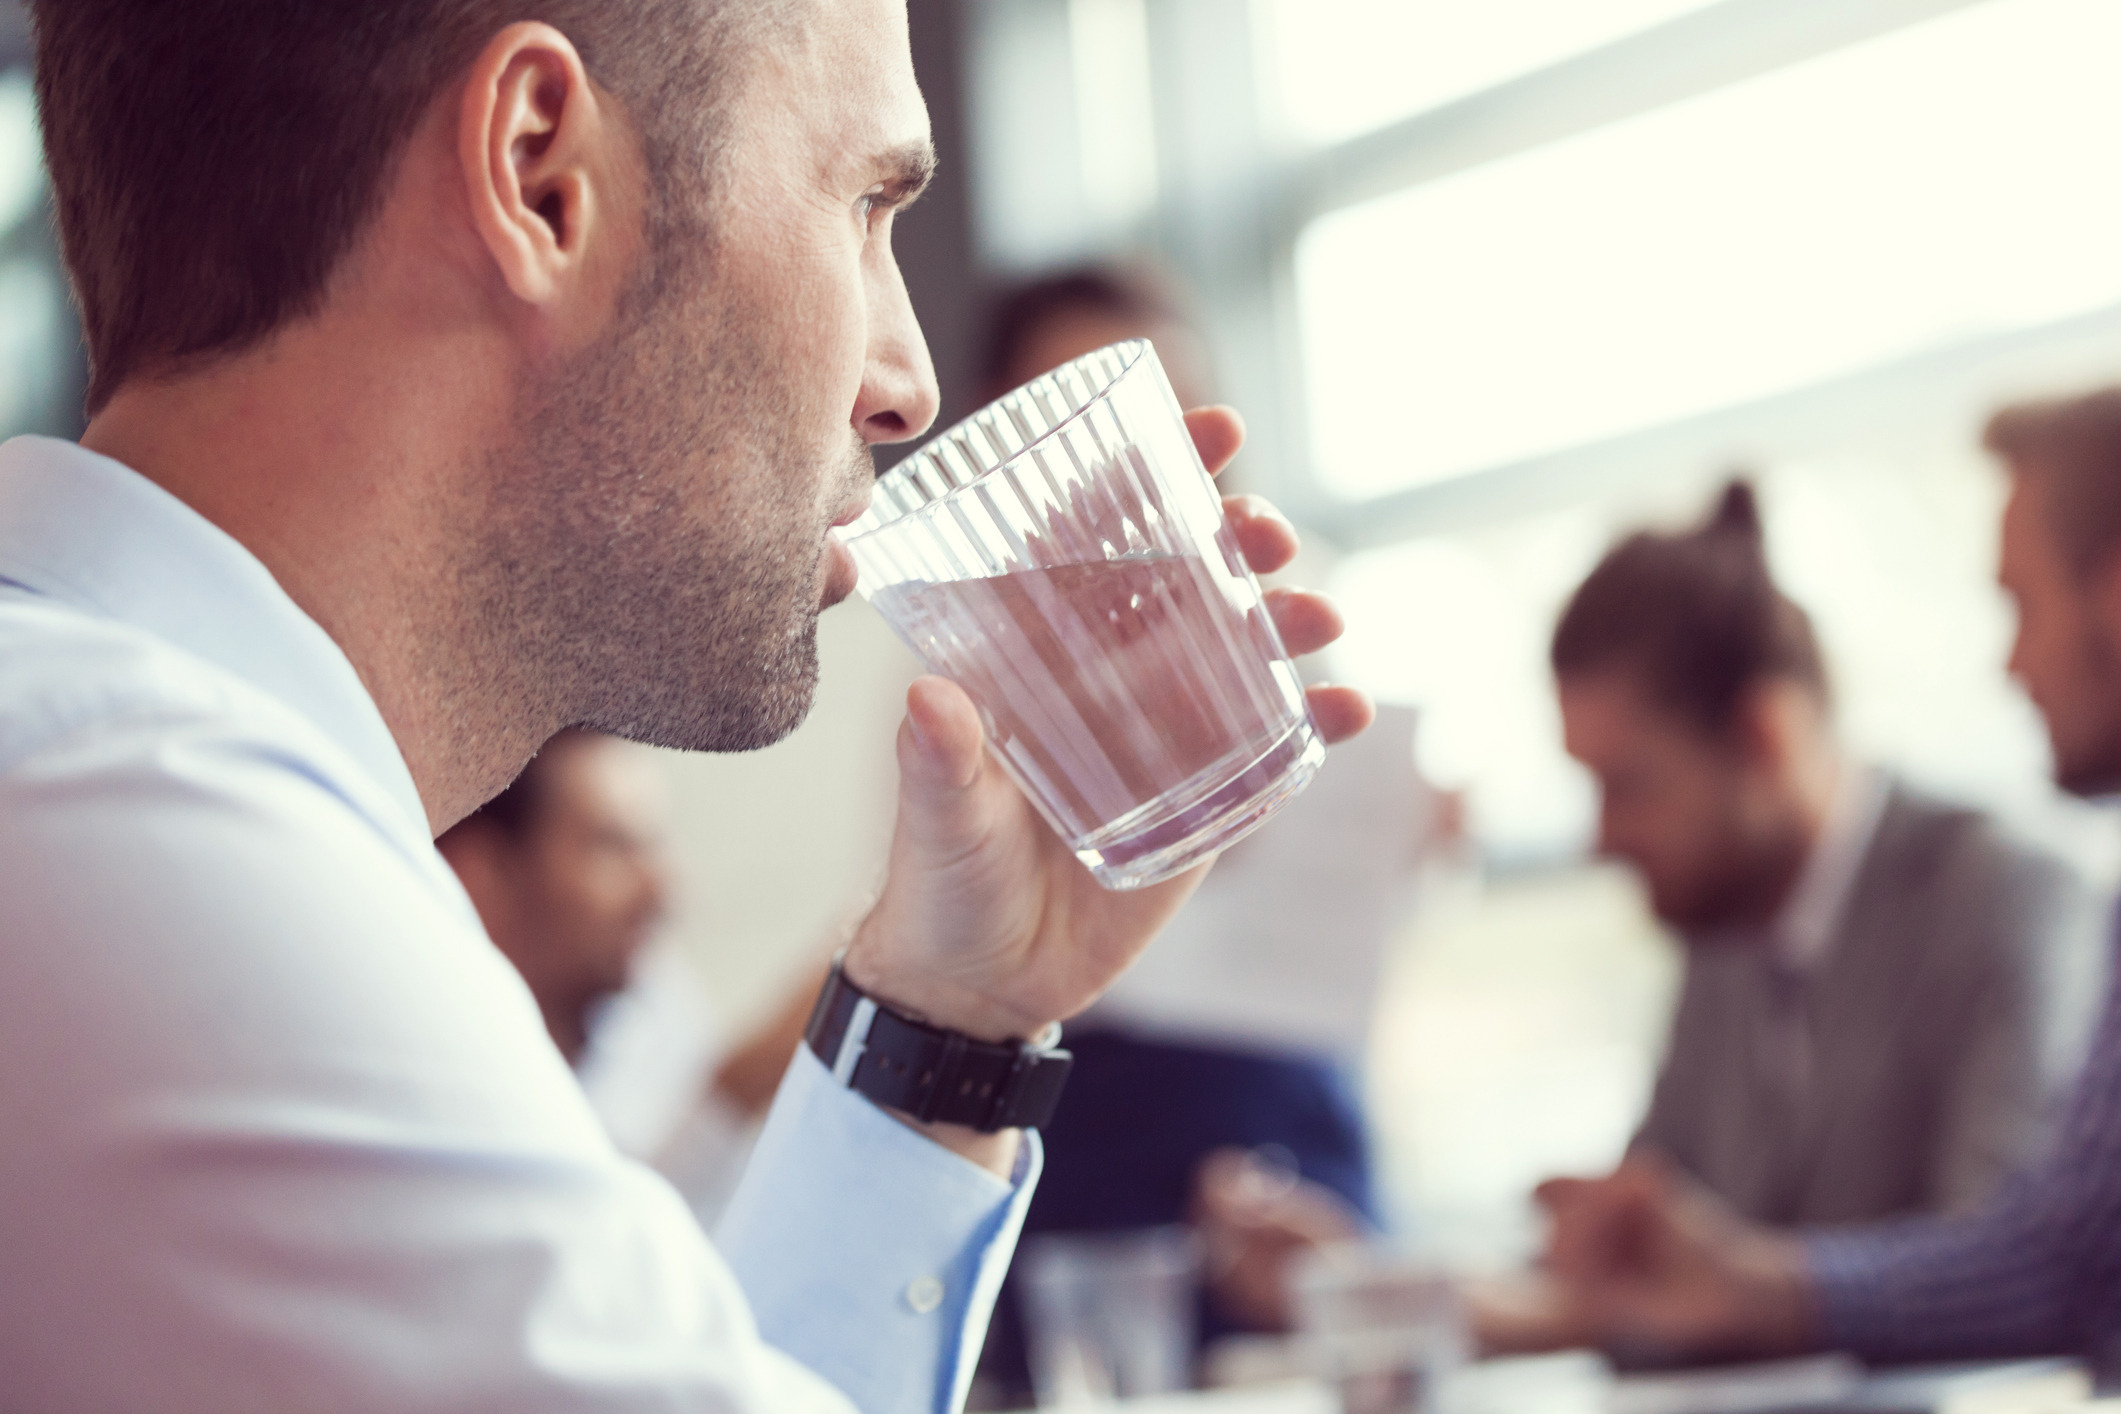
[
  {"x": 1767, "y": 723},
  {"x": 1781, "y": 725},
  {"x": 540, "y": 151}
]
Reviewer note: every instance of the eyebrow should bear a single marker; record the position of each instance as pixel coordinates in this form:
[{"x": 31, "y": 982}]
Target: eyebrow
[{"x": 911, "y": 167}]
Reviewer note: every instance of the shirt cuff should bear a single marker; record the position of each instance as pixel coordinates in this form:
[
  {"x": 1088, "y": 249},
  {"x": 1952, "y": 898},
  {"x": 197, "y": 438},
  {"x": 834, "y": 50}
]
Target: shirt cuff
[
  {"x": 1842, "y": 1272},
  {"x": 870, "y": 1253}
]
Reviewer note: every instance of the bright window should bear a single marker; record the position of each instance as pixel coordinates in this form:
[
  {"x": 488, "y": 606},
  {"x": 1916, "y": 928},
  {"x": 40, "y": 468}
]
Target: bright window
[
  {"x": 36, "y": 335},
  {"x": 1943, "y": 182},
  {"x": 1342, "y": 67}
]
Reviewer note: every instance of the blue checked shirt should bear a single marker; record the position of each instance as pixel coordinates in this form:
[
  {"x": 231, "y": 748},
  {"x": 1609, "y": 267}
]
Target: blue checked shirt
[{"x": 2035, "y": 1271}]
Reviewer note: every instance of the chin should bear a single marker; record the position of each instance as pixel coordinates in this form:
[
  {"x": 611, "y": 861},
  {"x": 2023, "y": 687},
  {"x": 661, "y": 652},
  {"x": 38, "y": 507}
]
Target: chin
[
  {"x": 786, "y": 690},
  {"x": 714, "y": 704},
  {"x": 2089, "y": 764},
  {"x": 1690, "y": 913},
  {"x": 2090, "y": 778},
  {"x": 763, "y": 719}
]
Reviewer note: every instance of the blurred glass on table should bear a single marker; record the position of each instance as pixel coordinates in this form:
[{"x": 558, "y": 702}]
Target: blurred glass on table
[
  {"x": 1388, "y": 1330},
  {"x": 1389, "y": 1333},
  {"x": 1111, "y": 1316}
]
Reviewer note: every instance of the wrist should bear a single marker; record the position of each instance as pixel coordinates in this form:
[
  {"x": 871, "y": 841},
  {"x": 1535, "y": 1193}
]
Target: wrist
[
  {"x": 1778, "y": 1310},
  {"x": 937, "y": 1001},
  {"x": 924, "y": 1077}
]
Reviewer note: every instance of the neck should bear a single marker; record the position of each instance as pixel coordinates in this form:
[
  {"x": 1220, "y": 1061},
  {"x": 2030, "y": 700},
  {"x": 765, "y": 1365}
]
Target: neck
[
  {"x": 1815, "y": 780},
  {"x": 342, "y": 478}
]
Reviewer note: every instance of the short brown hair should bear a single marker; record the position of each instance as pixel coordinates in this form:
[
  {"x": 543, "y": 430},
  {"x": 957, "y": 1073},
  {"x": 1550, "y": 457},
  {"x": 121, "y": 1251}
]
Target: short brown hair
[
  {"x": 214, "y": 161},
  {"x": 1695, "y": 617},
  {"x": 2073, "y": 446}
]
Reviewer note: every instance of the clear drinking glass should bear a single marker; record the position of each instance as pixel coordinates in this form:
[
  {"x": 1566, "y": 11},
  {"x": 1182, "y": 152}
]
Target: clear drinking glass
[
  {"x": 1062, "y": 555},
  {"x": 1110, "y": 1315},
  {"x": 1389, "y": 1331}
]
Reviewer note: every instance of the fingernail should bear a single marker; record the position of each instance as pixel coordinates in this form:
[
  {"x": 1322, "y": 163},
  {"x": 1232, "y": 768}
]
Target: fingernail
[{"x": 920, "y": 738}]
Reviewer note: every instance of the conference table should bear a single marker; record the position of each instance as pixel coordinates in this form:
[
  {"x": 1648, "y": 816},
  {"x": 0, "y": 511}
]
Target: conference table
[{"x": 1581, "y": 1383}]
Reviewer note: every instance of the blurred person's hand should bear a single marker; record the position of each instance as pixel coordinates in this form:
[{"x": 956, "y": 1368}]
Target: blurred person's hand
[
  {"x": 988, "y": 924},
  {"x": 1646, "y": 1258},
  {"x": 1523, "y": 1313},
  {"x": 1256, "y": 1219}
]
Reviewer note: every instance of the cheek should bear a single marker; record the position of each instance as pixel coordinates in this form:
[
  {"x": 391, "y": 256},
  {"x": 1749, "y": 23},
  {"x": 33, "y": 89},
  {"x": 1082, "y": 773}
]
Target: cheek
[
  {"x": 1654, "y": 831},
  {"x": 2050, "y": 653},
  {"x": 1693, "y": 820},
  {"x": 801, "y": 316},
  {"x": 831, "y": 323}
]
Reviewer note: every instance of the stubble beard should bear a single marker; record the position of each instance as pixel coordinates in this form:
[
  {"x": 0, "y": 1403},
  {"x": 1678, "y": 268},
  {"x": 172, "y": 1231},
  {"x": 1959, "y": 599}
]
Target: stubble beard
[
  {"x": 637, "y": 561},
  {"x": 1740, "y": 890},
  {"x": 2092, "y": 768}
]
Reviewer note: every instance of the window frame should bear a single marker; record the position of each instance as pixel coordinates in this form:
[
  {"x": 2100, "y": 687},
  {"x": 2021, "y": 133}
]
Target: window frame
[{"x": 1234, "y": 202}]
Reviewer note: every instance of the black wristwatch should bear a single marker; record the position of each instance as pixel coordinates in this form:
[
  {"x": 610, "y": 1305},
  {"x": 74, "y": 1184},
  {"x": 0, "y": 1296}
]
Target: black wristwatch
[{"x": 931, "y": 1074}]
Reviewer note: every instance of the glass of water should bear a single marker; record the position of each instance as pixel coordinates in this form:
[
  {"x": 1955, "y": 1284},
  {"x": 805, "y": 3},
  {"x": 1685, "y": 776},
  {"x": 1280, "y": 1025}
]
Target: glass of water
[{"x": 1062, "y": 555}]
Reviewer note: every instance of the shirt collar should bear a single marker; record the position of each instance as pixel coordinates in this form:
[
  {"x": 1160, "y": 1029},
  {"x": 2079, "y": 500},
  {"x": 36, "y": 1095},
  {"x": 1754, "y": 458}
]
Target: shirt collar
[
  {"x": 91, "y": 532},
  {"x": 1803, "y": 930}
]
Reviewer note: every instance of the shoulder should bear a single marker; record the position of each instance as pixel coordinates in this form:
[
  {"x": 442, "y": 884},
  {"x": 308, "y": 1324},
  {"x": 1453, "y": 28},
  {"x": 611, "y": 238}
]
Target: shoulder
[
  {"x": 196, "y": 879},
  {"x": 1967, "y": 876},
  {"x": 87, "y": 699},
  {"x": 68, "y": 670},
  {"x": 146, "y": 793},
  {"x": 1964, "y": 849}
]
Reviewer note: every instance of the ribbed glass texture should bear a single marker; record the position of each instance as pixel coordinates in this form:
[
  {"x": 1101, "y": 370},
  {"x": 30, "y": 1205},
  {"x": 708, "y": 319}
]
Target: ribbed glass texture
[{"x": 1062, "y": 556}]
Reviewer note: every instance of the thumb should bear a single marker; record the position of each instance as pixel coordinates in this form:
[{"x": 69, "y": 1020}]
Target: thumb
[{"x": 940, "y": 757}]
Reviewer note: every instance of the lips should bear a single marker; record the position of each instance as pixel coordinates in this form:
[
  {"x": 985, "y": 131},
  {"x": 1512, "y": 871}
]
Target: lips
[
  {"x": 839, "y": 572},
  {"x": 856, "y": 510}
]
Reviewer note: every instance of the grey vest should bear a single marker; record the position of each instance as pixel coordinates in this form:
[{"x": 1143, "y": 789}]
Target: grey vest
[{"x": 1912, "y": 1070}]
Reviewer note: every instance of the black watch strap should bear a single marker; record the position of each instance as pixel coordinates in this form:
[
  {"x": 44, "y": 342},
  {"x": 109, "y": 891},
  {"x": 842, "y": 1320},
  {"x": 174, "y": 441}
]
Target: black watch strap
[{"x": 934, "y": 1075}]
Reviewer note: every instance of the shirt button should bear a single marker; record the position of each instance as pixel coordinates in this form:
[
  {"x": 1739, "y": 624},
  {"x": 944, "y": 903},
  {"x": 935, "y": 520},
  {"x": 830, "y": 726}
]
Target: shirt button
[{"x": 924, "y": 1294}]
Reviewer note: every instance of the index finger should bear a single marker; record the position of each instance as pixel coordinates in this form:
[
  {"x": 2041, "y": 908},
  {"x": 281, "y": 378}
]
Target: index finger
[{"x": 1217, "y": 433}]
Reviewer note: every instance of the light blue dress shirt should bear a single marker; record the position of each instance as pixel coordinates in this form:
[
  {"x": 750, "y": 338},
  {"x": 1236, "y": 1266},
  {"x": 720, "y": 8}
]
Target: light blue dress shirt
[{"x": 281, "y": 1130}]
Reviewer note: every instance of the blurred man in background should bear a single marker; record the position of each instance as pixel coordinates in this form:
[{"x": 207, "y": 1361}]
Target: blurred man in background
[
  {"x": 1876, "y": 1005},
  {"x": 1645, "y": 1257},
  {"x": 566, "y": 869}
]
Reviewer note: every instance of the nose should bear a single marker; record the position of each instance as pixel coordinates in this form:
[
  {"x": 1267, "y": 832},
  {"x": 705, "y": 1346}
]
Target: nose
[{"x": 898, "y": 398}]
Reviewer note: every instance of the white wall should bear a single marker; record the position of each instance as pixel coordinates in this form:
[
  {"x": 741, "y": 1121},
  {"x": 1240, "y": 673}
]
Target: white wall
[{"x": 775, "y": 848}]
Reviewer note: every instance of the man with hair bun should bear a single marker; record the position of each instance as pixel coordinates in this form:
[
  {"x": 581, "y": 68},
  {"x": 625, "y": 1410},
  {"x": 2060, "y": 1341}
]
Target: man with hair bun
[
  {"x": 1874, "y": 1006},
  {"x": 1643, "y": 1259}
]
